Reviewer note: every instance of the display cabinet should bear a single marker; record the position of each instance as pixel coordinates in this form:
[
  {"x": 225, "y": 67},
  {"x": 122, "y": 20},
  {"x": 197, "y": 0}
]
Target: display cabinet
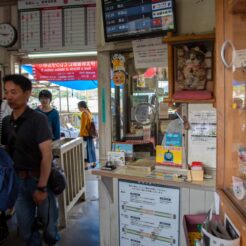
[
  {"x": 231, "y": 111},
  {"x": 191, "y": 68}
]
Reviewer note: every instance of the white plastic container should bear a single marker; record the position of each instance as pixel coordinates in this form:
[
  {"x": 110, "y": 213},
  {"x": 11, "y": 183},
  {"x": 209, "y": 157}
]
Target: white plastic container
[{"x": 210, "y": 240}]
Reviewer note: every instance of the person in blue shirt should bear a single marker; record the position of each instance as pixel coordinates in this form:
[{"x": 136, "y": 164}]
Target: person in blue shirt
[{"x": 45, "y": 98}]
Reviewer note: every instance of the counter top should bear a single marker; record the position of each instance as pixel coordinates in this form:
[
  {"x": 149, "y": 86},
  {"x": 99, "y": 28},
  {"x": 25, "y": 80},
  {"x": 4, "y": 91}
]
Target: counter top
[{"x": 164, "y": 177}]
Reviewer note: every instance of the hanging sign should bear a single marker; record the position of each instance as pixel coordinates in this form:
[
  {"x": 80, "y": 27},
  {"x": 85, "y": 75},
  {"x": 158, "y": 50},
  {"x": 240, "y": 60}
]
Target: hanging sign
[
  {"x": 119, "y": 75},
  {"x": 66, "y": 71}
]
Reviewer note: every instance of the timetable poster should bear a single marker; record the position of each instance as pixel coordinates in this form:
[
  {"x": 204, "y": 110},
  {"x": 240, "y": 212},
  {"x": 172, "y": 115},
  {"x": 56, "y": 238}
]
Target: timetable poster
[
  {"x": 91, "y": 26},
  {"x": 148, "y": 214},
  {"x": 52, "y": 28},
  {"x": 74, "y": 26},
  {"x": 54, "y": 24},
  {"x": 30, "y": 29}
]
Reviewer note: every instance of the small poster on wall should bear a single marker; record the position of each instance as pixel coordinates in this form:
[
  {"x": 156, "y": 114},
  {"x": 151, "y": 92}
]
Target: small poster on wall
[{"x": 202, "y": 135}]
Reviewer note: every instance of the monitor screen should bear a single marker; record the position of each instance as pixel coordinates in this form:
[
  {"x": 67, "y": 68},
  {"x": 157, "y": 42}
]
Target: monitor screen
[{"x": 132, "y": 19}]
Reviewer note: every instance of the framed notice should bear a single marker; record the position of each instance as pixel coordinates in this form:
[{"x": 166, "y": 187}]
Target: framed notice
[{"x": 148, "y": 214}]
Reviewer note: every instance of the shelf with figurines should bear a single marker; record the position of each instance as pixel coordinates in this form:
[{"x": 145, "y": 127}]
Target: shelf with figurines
[{"x": 191, "y": 68}]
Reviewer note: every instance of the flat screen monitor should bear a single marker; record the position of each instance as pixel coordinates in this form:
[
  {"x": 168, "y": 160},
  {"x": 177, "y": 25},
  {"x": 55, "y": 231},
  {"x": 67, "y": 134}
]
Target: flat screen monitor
[{"x": 134, "y": 19}]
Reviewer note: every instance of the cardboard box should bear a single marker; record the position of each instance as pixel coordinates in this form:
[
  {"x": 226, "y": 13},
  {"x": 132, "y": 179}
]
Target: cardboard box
[
  {"x": 191, "y": 224},
  {"x": 141, "y": 166}
]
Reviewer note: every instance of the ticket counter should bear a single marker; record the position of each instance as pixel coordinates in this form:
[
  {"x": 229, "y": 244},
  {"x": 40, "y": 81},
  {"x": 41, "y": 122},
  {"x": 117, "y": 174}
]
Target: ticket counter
[{"x": 148, "y": 208}]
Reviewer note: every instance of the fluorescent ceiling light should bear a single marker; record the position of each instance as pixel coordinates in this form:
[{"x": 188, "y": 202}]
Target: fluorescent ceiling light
[{"x": 61, "y": 54}]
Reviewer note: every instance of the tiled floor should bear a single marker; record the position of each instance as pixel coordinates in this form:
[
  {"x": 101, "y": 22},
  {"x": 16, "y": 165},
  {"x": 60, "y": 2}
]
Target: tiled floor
[{"x": 83, "y": 221}]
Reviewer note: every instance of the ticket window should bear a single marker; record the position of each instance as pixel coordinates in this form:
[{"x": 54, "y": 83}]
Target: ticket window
[{"x": 148, "y": 85}]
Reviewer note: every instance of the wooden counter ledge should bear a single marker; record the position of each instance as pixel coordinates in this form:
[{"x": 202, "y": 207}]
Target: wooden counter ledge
[{"x": 157, "y": 176}]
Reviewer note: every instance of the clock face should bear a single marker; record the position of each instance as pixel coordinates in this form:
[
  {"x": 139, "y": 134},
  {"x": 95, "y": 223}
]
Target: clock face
[{"x": 8, "y": 35}]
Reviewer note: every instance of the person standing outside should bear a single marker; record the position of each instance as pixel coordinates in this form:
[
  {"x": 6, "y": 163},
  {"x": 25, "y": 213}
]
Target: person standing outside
[
  {"x": 86, "y": 119},
  {"x": 45, "y": 98},
  {"x": 28, "y": 139}
]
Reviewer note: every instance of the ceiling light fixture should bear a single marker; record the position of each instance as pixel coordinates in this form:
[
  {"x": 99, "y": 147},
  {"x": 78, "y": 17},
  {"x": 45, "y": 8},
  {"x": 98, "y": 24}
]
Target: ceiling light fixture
[{"x": 61, "y": 54}]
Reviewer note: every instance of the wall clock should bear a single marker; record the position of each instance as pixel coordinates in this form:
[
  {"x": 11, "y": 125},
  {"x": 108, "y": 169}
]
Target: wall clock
[{"x": 8, "y": 35}]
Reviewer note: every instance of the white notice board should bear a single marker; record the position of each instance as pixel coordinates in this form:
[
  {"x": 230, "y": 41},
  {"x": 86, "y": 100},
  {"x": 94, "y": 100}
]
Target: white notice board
[
  {"x": 150, "y": 52},
  {"x": 202, "y": 135},
  {"x": 148, "y": 214}
]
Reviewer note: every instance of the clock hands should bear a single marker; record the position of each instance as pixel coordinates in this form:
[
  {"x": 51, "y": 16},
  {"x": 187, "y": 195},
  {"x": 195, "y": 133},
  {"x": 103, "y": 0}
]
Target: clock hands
[{"x": 4, "y": 34}]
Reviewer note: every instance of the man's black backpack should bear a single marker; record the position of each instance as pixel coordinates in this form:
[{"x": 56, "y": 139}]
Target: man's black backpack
[
  {"x": 57, "y": 180},
  {"x": 8, "y": 190},
  {"x": 8, "y": 181}
]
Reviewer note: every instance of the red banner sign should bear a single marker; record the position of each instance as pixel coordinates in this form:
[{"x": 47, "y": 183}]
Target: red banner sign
[{"x": 66, "y": 71}]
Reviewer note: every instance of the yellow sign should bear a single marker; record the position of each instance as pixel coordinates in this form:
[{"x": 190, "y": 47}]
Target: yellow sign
[
  {"x": 119, "y": 75},
  {"x": 119, "y": 78},
  {"x": 169, "y": 155},
  {"x": 118, "y": 62}
]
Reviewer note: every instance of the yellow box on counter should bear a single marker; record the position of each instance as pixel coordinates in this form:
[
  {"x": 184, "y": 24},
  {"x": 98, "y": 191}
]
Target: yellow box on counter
[
  {"x": 196, "y": 175},
  {"x": 169, "y": 155}
]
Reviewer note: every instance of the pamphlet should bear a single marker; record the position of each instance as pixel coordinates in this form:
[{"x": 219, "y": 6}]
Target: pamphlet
[
  {"x": 169, "y": 155},
  {"x": 117, "y": 158}
]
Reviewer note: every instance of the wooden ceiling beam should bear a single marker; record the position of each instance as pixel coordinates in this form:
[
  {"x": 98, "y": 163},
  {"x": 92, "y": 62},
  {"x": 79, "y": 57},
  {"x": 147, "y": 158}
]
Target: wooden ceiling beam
[{"x": 8, "y": 2}]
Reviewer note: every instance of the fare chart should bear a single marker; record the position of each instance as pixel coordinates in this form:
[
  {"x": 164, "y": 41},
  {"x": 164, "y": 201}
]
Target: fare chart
[{"x": 148, "y": 214}]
